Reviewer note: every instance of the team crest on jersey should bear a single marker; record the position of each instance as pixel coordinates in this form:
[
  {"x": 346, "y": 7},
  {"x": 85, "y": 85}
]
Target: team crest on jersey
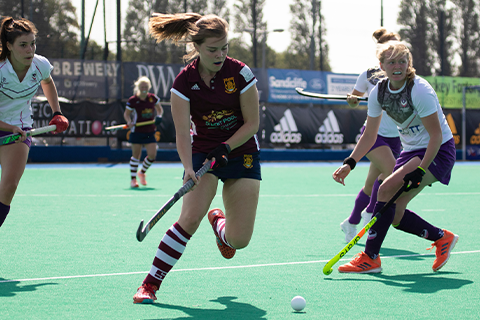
[
  {"x": 403, "y": 102},
  {"x": 150, "y": 99},
  {"x": 3, "y": 82},
  {"x": 34, "y": 77},
  {"x": 229, "y": 85},
  {"x": 248, "y": 161}
]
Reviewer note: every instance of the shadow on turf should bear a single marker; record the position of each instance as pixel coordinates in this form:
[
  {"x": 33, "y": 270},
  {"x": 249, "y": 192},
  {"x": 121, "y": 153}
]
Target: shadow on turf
[
  {"x": 417, "y": 283},
  {"x": 9, "y": 288},
  {"x": 141, "y": 189},
  {"x": 233, "y": 311}
]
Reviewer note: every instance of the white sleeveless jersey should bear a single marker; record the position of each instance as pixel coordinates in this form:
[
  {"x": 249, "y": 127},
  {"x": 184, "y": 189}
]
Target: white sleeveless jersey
[
  {"x": 406, "y": 107},
  {"x": 366, "y": 83},
  {"x": 16, "y": 96}
]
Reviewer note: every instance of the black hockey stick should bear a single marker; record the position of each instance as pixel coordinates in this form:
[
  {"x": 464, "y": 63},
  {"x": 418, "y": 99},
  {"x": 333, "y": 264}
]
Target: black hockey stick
[
  {"x": 325, "y": 96},
  {"x": 328, "y": 267},
  {"x": 142, "y": 231}
]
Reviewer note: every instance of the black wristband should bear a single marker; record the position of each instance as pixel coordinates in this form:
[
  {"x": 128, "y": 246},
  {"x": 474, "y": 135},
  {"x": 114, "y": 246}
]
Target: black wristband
[
  {"x": 57, "y": 113},
  {"x": 351, "y": 162},
  {"x": 227, "y": 146}
]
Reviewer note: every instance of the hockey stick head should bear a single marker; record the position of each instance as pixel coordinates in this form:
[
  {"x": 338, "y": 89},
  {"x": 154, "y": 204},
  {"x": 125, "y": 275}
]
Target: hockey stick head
[{"x": 140, "y": 232}]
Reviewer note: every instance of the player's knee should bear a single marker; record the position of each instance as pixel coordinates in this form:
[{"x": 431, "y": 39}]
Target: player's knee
[{"x": 239, "y": 243}]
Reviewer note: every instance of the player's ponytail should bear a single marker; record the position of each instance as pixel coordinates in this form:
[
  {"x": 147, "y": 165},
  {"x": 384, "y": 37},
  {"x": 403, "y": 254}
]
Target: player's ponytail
[{"x": 185, "y": 28}]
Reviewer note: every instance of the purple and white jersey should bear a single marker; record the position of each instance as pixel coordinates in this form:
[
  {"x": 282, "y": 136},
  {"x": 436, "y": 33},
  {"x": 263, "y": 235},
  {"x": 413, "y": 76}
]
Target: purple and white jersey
[
  {"x": 215, "y": 111},
  {"x": 365, "y": 83},
  {"x": 16, "y": 96},
  {"x": 406, "y": 106}
]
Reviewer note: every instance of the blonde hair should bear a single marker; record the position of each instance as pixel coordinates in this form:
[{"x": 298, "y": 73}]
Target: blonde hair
[
  {"x": 142, "y": 79},
  {"x": 187, "y": 28},
  {"x": 395, "y": 50}
]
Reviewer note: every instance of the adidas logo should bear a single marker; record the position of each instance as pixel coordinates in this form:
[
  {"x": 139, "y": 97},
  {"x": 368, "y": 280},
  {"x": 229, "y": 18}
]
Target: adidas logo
[
  {"x": 286, "y": 131},
  {"x": 195, "y": 87},
  {"x": 329, "y": 131}
]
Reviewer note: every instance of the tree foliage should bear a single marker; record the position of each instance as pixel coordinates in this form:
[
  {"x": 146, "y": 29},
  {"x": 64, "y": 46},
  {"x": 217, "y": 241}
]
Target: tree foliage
[
  {"x": 306, "y": 25},
  {"x": 417, "y": 30},
  {"x": 469, "y": 37},
  {"x": 57, "y": 25}
]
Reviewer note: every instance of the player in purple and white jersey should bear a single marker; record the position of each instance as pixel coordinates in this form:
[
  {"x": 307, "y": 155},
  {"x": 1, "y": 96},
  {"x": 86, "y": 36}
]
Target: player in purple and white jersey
[
  {"x": 21, "y": 73},
  {"x": 215, "y": 96},
  {"x": 428, "y": 156},
  {"x": 141, "y": 107},
  {"x": 383, "y": 153}
]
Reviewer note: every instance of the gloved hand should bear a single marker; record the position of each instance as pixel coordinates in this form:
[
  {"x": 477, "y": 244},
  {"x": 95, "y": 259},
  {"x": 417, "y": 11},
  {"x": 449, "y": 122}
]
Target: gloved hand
[
  {"x": 60, "y": 121},
  {"x": 415, "y": 177},
  {"x": 220, "y": 154},
  {"x": 158, "y": 120}
]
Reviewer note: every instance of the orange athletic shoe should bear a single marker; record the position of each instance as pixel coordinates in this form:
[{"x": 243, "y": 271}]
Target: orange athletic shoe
[
  {"x": 133, "y": 183},
  {"x": 444, "y": 246},
  {"x": 145, "y": 293},
  {"x": 362, "y": 263},
  {"x": 142, "y": 177},
  {"x": 226, "y": 251}
]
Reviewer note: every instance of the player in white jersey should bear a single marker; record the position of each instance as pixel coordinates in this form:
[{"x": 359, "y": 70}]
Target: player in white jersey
[
  {"x": 383, "y": 153},
  {"x": 428, "y": 156},
  {"x": 21, "y": 73}
]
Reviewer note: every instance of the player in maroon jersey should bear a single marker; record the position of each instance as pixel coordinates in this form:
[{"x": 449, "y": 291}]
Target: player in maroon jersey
[
  {"x": 140, "y": 108},
  {"x": 218, "y": 95}
]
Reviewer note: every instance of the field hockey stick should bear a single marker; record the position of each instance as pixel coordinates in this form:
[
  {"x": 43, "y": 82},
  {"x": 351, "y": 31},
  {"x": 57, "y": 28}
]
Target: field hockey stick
[
  {"x": 325, "y": 96},
  {"x": 142, "y": 231},
  {"x": 14, "y": 136},
  {"x": 328, "y": 267},
  {"x": 125, "y": 126}
]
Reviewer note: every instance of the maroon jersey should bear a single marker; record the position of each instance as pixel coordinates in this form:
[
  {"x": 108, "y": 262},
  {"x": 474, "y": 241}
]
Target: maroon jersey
[
  {"x": 144, "y": 110},
  {"x": 215, "y": 110}
]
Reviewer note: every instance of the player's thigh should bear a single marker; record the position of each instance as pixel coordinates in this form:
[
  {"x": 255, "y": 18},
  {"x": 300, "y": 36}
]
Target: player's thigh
[
  {"x": 372, "y": 175},
  {"x": 13, "y": 159},
  {"x": 137, "y": 150},
  {"x": 197, "y": 202},
  {"x": 240, "y": 197},
  {"x": 382, "y": 158},
  {"x": 151, "y": 150},
  {"x": 393, "y": 182}
]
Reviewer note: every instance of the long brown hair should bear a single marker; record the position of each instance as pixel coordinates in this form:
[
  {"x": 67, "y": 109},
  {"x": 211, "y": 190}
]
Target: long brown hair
[
  {"x": 182, "y": 28},
  {"x": 395, "y": 50},
  {"x": 10, "y": 30}
]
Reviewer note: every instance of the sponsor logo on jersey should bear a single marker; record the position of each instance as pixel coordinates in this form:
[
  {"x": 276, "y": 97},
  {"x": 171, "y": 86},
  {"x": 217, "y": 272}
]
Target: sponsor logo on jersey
[
  {"x": 286, "y": 131},
  {"x": 247, "y": 73},
  {"x": 229, "y": 85},
  {"x": 195, "y": 87},
  {"x": 329, "y": 131}
]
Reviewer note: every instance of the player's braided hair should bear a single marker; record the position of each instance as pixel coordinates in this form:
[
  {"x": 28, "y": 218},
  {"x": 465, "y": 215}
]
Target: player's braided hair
[
  {"x": 182, "y": 28},
  {"x": 11, "y": 29}
]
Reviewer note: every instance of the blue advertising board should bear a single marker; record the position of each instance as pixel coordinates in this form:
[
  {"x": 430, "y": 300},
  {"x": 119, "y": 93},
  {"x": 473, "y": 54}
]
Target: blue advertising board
[{"x": 282, "y": 84}]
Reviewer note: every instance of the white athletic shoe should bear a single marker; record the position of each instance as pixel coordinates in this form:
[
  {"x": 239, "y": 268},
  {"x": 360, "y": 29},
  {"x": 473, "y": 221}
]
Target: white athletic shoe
[
  {"x": 349, "y": 229},
  {"x": 366, "y": 217}
]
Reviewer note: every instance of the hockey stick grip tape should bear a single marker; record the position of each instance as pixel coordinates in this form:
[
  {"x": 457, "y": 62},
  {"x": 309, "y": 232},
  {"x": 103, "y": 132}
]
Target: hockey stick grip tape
[{"x": 189, "y": 184}]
